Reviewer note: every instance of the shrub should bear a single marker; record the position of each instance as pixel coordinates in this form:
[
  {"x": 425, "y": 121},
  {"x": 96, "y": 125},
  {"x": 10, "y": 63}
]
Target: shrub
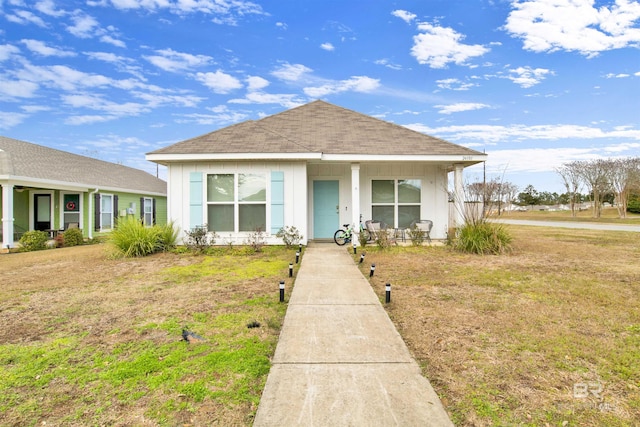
[
  {"x": 255, "y": 240},
  {"x": 167, "y": 236},
  {"x": 34, "y": 240},
  {"x": 200, "y": 238},
  {"x": 384, "y": 238},
  {"x": 363, "y": 238},
  {"x": 289, "y": 235},
  {"x": 416, "y": 235},
  {"x": 483, "y": 237},
  {"x": 72, "y": 237},
  {"x": 132, "y": 239}
]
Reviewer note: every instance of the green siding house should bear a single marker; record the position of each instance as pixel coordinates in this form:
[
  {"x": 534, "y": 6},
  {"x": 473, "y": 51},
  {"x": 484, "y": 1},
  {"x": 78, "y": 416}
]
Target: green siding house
[{"x": 52, "y": 190}]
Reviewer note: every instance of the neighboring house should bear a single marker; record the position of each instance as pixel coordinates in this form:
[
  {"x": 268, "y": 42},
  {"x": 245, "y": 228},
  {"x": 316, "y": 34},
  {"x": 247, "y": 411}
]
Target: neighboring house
[
  {"x": 52, "y": 190},
  {"x": 314, "y": 167}
]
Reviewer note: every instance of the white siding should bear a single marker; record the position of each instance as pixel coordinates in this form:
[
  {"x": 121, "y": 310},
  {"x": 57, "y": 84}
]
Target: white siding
[{"x": 295, "y": 189}]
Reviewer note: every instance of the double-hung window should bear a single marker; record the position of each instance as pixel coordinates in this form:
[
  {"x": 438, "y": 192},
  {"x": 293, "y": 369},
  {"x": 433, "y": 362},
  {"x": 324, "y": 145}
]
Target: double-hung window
[
  {"x": 396, "y": 202},
  {"x": 71, "y": 210},
  {"x": 147, "y": 211},
  {"x": 106, "y": 211},
  {"x": 236, "y": 202}
]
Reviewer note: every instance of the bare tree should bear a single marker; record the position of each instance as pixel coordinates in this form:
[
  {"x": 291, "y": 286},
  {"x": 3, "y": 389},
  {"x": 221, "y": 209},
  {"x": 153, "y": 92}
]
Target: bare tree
[
  {"x": 596, "y": 175},
  {"x": 572, "y": 179},
  {"x": 625, "y": 177}
]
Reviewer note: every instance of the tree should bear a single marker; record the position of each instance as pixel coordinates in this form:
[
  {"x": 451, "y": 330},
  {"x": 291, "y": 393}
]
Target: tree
[
  {"x": 596, "y": 175},
  {"x": 570, "y": 174},
  {"x": 529, "y": 196},
  {"x": 625, "y": 177}
]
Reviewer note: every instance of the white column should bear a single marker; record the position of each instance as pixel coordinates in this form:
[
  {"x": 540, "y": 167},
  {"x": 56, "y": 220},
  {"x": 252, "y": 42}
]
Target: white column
[
  {"x": 355, "y": 195},
  {"x": 7, "y": 216},
  {"x": 458, "y": 195}
]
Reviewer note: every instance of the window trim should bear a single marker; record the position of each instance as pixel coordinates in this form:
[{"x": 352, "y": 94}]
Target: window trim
[
  {"x": 145, "y": 213},
  {"x": 396, "y": 204},
  {"x": 236, "y": 202},
  {"x": 111, "y": 213}
]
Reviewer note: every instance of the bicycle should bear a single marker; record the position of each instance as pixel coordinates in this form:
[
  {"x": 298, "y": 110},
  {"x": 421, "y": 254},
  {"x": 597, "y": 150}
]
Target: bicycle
[{"x": 342, "y": 236}]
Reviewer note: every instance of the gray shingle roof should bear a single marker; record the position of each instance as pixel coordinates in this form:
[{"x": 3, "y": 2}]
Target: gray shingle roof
[
  {"x": 317, "y": 127},
  {"x": 26, "y": 160}
]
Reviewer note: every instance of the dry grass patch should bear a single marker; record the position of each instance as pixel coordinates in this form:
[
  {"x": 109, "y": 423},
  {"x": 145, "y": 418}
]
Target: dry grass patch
[
  {"x": 519, "y": 339},
  {"x": 90, "y": 340}
]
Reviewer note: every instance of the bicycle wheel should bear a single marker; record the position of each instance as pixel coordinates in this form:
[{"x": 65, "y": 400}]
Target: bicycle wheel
[{"x": 341, "y": 237}]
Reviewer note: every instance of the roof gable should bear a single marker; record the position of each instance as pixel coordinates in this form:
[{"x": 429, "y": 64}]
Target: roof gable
[{"x": 317, "y": 127}]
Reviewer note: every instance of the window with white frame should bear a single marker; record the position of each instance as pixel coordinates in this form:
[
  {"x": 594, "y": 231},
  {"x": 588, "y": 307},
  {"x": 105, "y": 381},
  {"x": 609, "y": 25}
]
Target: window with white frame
[
  {"x": 147, "y": 211},
  {"x": 106, "y": 211},
  {"x": 396, "y": 202},
  {"x": 236, "y": 202},
  {"x": 71, "y": 210}
]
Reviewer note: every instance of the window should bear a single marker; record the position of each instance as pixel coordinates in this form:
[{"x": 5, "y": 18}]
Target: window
[
  {"x": 396, "y": 202},
  {"x": 236, "y": 202},
  {"x": 147, "y": 211},
  {"x": 71, "y": 210},
  {"x": 106, "y": 211}
]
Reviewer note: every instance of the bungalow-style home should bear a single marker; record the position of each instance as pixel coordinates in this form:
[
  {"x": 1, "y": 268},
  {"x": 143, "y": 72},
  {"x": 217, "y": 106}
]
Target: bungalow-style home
[
  {"x": 52, "y": 190},
  {"x": 313, "y": 167}
]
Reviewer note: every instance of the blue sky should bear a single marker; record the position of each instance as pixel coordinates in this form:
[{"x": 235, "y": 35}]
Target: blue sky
[{"x": 533, "y": 83}]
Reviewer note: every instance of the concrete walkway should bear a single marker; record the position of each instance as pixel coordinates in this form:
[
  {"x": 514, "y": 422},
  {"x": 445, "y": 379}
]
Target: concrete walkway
[{"x": 339, "y": 359}]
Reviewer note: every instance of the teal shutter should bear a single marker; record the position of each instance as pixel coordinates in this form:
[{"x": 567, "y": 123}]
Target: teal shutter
[
  {"x": 195, "y": 200},
  {"x": 277, "y": 201}
]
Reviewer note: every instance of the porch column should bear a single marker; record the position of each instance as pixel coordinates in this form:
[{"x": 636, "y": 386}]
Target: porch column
[
  {"x": 7, "y": 216},
  {"x": 355, "y": 196},
  {"x": 458, "y": 195}
]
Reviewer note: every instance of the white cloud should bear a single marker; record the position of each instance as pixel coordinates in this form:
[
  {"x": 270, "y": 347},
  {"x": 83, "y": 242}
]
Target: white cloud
[
  {"x": 490, "y": 134},
  {"x": 24, "y": 17},
  {"x": 356, "y": 84},
  {"x": 454, "y": 84},
  {"x": 527, "y": 77},
  {"x": 225, "y": 11},
  {"x": 40, "y": 48},
  {"x": 404, "y": 15},
  {"x": 219, "y": 82},
  {"x": 617, "y": 76},
  {"x": 256, "y": 83},
  {"x": 17, "y": 88},
  {"x": 327, "y": 46},
  {"x": 7, "y": 51},
  {"x": 570, "y": 25},
  {"x": 88, "y": 119},
  {"x": 291, "y": 72},
  {"x": 388, "y": 64},
  {"x": 281, "y": 25},
  {"x": 84, "y": 26},
  {"x": 170, "y": 60},
  {"x": 221, "y": 115},
  {"x": 9, "y": 120},
  {"x": 438, "y": 46},
  {"x": 460, "y": 107},
  {"x": 113, "y": 41},
  {"x": 48, "y": 7},
  {"x": 257, "y": 97}
]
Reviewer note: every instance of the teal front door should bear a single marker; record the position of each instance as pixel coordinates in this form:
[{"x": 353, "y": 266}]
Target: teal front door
[{"x": 326, "y": 204}]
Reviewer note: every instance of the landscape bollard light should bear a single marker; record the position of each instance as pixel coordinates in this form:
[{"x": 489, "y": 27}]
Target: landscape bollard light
[
  {"x": 290, "y": 269},
  {"x": 373, "y": 269},
  {"x": 387, "y": 293},
  {"x": 297, "y": 257},
  {"x": 361, "y": 258},
  {"x": 282, "y": 291},
  {"x": 354, "y": 248},
  {"x": 300, "y": 248}
]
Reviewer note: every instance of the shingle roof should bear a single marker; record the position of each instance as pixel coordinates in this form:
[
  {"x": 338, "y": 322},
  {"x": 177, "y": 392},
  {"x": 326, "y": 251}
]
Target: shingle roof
[
  {"x": 317, "y": 127},
  {"x": 26, "y": 160}
]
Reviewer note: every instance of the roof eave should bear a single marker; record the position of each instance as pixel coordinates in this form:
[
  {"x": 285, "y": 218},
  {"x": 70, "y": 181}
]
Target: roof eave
[
  {"x": 71, "y": 186},
  {"x": 164, "y": 159}
]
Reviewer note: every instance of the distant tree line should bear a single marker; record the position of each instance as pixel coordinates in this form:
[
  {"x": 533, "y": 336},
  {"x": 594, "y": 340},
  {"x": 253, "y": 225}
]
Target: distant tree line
[{"x": 616, "y": 181}]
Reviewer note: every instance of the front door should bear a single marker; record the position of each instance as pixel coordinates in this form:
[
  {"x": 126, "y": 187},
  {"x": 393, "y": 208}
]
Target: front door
[
  {"x": 42, "y": 211},
  {"x": 326, "y": 207}
]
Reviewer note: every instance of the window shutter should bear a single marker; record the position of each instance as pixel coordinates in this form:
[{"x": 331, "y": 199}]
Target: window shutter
[
  {"x": 96, "y": 212},
  {"x": 115, "y": 210},
  {"x": 142, "y": 210},
  {"x": 195, "y": 199},
  {"x": 277, "y": 201},
  {"x": 153, "y": 218}
]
